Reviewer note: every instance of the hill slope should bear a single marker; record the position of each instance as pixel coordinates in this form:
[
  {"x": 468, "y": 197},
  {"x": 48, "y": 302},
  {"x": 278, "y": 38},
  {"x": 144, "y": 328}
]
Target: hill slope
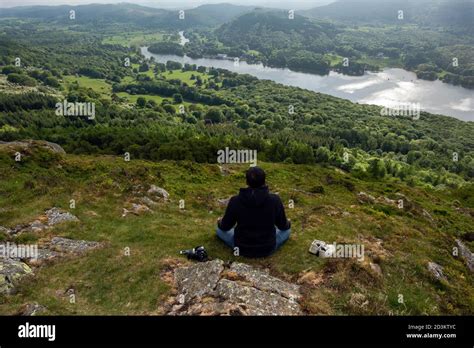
[
  {"x": 328, "y": 205},
  {"x": 125, "y": 13},
  {"x": 453, "y": 13}
]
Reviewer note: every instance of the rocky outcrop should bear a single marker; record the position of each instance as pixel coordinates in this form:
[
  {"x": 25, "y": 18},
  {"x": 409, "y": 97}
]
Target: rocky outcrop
[
  {"x": 50, "y": 218},
  {"x": 466, "y": 254},
  {"x": 143, "y": 202},
  {"x": 11, "y": 272},
  {"x": 56, "y": 216},
  {"x": 158, "y": 192},
  {"x": 72, "y": 246},
  {"x": 256, "y": 302},
  {"x": 363, "y": 198},
  {"x": 23, "y": 145},
  {"x": 436, "y": 271},
  {"x": 14, "y": 268},
  {"x": 400, "y": 202},
  {"x": 265, "y": 282},
  {"x": 198, "y": 280},
  {"x": 135, "y": 209},
  {"x": 148, "y": 202},
  {"x": 32, "y": 309},
  {"x": 214, "y": 288}
]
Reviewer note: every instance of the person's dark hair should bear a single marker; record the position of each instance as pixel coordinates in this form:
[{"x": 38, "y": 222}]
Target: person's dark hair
[{"x": 255, "y": 177}]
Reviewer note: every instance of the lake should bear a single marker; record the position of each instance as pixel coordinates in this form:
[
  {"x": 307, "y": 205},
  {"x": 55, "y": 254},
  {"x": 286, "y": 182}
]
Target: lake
[{"x": 389, "y": 87}]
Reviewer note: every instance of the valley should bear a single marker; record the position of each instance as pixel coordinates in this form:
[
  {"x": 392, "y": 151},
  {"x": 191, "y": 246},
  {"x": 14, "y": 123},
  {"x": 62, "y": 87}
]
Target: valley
[{"x": 113, "y": 192}]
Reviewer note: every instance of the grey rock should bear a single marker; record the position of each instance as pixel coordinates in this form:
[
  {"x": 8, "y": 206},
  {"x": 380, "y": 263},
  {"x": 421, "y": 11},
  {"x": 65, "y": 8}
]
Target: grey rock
[
  {"x": 4, "y": 230},
  {"x": 56, "y": 216},
  {"x": 265, "y": 282},
  {"x": 387, "y": 201},
  {"x": 32, "y": 309},
  {"x": 436, "y": 271},
  {"x": 72, "y": 246},
  {"x": 257, "y": 302},
  {"x": 148, "y": 202},
  {"x": 37, "y": 226},
  {"x": 213, "y": 288},
  {"x": 466, "y": 254},
  {"x": 158, "y": 192},
  {"x": 52, "y": 217},
  {"x": 56, "y": 248},
  {"x": 53, "y": 147},
  {"x": 198, "y": 280},
  {"x": 11, "y": 272},
  {"x": 19, "y": 228},
  {"x": 46, "y": 255},
  {"x": 136, "y": 209},
  {"x": 211, "y": 306},
  {"x": 363, "y": 197}
]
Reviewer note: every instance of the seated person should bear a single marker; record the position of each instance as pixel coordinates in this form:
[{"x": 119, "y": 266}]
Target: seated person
[{"x": 259, "y": 218}]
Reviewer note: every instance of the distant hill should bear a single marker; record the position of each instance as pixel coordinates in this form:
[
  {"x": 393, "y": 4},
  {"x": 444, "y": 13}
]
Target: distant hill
[
  {"x": 216, "y": 14},
  {"x": 446, "y": 13},
  {"x": 267, "y": 30},
  {"x": 125, "y": 13}
]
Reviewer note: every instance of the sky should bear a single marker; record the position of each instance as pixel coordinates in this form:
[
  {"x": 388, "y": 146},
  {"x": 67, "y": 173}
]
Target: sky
[{"x": 294, "y": 4}]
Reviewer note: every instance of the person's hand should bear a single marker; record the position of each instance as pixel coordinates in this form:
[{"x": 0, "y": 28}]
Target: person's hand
[{"x": 219, "y": 220}]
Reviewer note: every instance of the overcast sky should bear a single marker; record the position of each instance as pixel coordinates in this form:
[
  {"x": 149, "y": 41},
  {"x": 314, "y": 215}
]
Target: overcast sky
[{"x": 294, "y": 4}]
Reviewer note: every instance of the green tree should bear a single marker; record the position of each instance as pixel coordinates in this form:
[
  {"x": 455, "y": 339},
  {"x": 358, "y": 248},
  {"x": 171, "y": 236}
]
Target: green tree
[
  {"x": 214, "y": 114},
  {"x": 377, "y": 168},
  {"x": 141, "y": 102},
  {"x": 178, "y": 98}
]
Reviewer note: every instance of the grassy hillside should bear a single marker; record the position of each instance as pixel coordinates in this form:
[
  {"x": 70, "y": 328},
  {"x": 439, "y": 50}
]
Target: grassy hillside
[{"x": 106, "y": 281}]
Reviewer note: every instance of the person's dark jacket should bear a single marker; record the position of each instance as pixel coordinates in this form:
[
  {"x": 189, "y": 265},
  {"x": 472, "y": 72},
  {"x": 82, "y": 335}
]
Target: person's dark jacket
[{"x": 256, "y": 213}]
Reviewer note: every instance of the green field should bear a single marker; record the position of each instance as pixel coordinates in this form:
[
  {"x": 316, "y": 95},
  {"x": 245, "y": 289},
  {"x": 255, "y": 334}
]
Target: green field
[
  {"x": 133, "y": 98},
  {"x": 134, "y": 39},
  {"x": 185, "y": 76},
  {"x": 97, "y": 85}
]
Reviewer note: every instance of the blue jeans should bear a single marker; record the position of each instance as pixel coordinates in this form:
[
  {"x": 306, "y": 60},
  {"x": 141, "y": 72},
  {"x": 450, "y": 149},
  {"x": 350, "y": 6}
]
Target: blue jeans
[{"x": 228, "y": 237}]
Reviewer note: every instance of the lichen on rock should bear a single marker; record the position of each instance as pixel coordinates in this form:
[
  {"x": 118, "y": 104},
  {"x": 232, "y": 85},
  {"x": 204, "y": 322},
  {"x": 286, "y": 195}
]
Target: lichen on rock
[
  {"x": 11, "y": 272},
  {"x": 214, "y": 288}
]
